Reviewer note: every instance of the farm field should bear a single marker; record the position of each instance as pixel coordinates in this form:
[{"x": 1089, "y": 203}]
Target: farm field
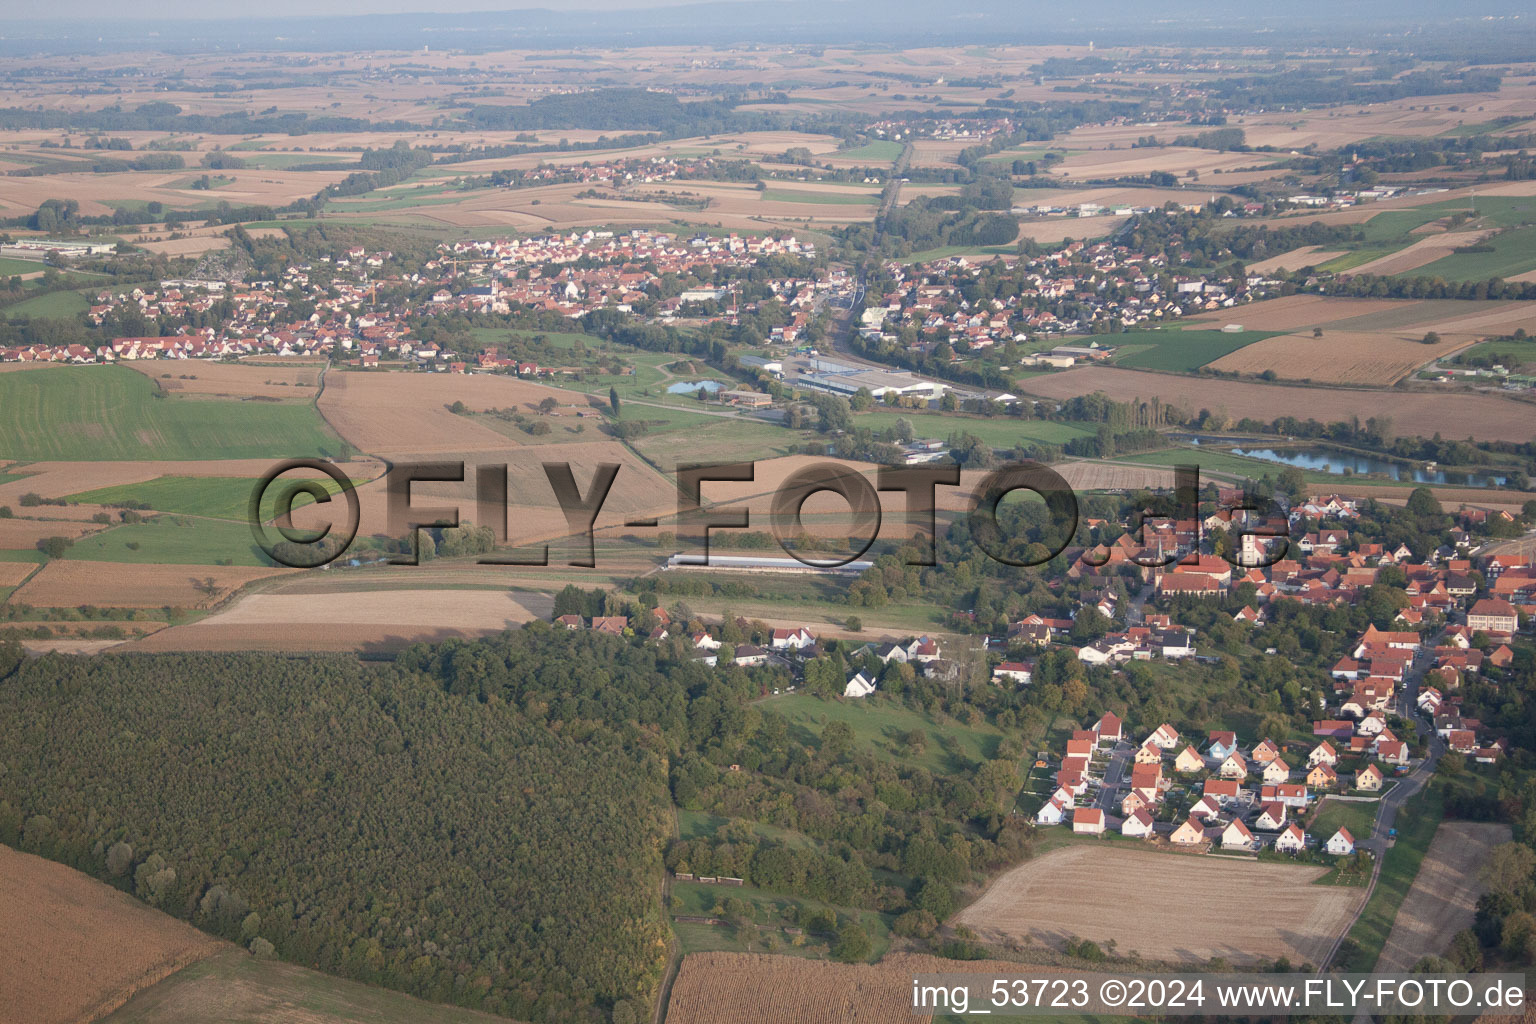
[
  {"x": 73, "y": 949},
  {"x": 95, "y": 413},
  {"x": 1380, "y": 347},
  {"x": 70, "y": 583},
  {"x": 1484, "y": 417},
  {"x": 25, "y": 533},
  {"x": 1179, "y": 350},
  {"x": 1306, "y": 256},
  {"x": 758, "y": 988},
  {"x": 295, "y": 380},
  {"x": 408, "y": 412},
  {"x": 216, "y": 497},
  {"x": 52, "y": 305},
  {"x": 171, "y": 539},
  {"x": 1293, "y": 312},
  {"x": 10, "y": 267},
  {"x": 1513, "y": 255},
  {"x": 1512, "y": 354},
  {"x": 1415, "y": 259},
  {"x": 1000, "y": 431},
  {"x": 353, "y": 619},
  {"x": 1443, "y": 898},
  {"x": 236, "y": 987},
  {"x": 1338, "y": 357},
  {"x": 1083, "y": 890}
]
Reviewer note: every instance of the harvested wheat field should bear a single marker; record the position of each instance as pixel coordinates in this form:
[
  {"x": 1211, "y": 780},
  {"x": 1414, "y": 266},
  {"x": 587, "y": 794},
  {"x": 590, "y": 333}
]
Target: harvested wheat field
[
  {"x": 73, "y": 949},
  {"x": 759, "y": 988},
  {"x": 353, "y": 620},
  {"x": 1292, "y": 312},
  {"x": 1106, "y": 476},
  {"x": 18, "y": 534},
  {"x": 292, "y": 381},
  {"x": 13, "y": 573},
  {"x": 1245, "y": 911},
  {"x": 1341, "y": 357},
  {"x": 71, "y": 583},
  {"x": 1306, "y": 256},
  {"x": 533, "y": 512},
  {"x": 408, "y": 412},
  {"x": 1443, "y": 899},
  {"x": 1483, "y": 417},
  {"x": 1057, "y": 229}
]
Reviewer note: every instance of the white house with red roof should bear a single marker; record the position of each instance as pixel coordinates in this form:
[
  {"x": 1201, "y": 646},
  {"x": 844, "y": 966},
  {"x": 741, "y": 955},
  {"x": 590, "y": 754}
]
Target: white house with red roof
[
  {"x": 1137, "y": 825},
  {"x": 1236, "y": 837},
  {"x": 1341, "y": 843},
  {"x": 791, "y": 639},
  {"x": 1051, "y": 812},
  {"x": 1291, "y": 840},
  {"x": 1109, "y": 728},
  {"x": 1271, "y": 817}
]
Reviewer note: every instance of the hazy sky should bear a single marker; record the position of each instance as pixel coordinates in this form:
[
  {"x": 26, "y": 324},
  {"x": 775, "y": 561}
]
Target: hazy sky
[{"x": 117, "y": 10}]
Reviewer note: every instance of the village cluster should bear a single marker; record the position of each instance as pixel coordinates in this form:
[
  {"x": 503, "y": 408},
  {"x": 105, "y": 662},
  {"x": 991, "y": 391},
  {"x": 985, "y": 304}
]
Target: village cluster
[
  {"x": 591, "y": 270},
  {"x": 1075, "y": 289}
]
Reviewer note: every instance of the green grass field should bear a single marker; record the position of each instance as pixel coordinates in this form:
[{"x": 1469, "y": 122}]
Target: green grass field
[
  {"x": 172, "y": 540},
  {"x": 54, "y": 305},
  {"x": 879, "y": 726},
  {"x": 998, "y": 431},
  {"x": 877, "y": 152},
  {"x": 216, "y": 497},
  {"x": 1492, "y": 211},
  {"x": 237, "y": 987},
  {"x": 1511, "y": 353},
  {"x": 10, "y": 267},
  {"x": 1514, "y": 253},
  {"x": 1359, "y": 818},
  {"x": 111, "y": 413},
  {"x": 1181, "y": 351}
]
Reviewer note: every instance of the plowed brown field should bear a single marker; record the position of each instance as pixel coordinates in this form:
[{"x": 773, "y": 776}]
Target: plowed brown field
[
  {"x": 758, "y": 988},
  {"x": 73, "y": 949},
  {"x": 70, "y": 583},
  {"x": 1246, "y": 911}
]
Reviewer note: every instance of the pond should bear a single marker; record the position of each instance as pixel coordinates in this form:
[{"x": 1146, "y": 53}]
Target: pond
[
  {"x": 684, "y": 387},
  {"x": 1322, "y": 460}
]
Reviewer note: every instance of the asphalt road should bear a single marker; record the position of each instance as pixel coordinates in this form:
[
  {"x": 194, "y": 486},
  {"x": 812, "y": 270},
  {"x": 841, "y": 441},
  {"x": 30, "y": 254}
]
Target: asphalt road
[{"x": 1386, "y": 813}]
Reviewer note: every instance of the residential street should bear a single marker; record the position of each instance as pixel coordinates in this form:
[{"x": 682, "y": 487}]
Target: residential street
[{"x": 1392, "y": 802}]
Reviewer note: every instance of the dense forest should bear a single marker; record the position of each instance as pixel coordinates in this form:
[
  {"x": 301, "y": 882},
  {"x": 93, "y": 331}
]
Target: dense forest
[{"x": 360, "y": 819}]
